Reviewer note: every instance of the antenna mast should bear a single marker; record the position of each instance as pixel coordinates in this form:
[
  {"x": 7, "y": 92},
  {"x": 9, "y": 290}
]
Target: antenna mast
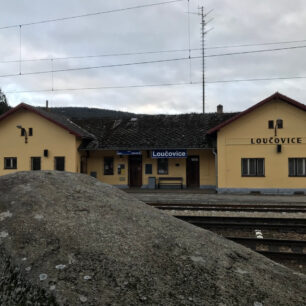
[{"x": 203, "y": 56}]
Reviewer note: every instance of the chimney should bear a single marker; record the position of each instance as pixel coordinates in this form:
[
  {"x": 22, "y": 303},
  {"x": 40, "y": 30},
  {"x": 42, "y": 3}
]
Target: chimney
[
  {"x": 47, "y": 104},
  {"x": 220, "y": 109}
]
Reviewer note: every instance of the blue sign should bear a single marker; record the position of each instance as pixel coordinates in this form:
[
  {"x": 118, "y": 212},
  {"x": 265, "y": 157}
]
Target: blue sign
[
  {"x": 169, "y": 154},
  {"x": 132, "y": 152}
]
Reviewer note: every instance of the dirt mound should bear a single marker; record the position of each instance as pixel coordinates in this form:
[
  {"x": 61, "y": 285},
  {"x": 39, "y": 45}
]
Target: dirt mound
[{"x": 68, "y": 239}]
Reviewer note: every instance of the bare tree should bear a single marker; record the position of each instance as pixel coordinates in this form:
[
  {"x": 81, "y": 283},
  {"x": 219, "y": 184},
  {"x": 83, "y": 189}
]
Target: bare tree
[{"x": 4, "y": 107}]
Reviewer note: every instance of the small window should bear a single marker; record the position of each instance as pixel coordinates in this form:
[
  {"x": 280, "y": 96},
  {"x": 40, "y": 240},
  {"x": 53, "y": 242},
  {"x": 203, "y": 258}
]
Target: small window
[
  {"x": 162, "y": 164},
  {"x": 252, "y": 167},
  {"x": 279, "y": 123},
  {"x": 271, "y": 124},
  {"x": 35, "y": 163},
  {"x": 30, "y": 131},
  {"x": 23, "y": 132},
  {"x": 10, "y": 162},
  {"x": 59, "y": 163},
  {"x": 148, "y": 169},
  {"x": 93, "y": 174},
  {"x": 297, "y": 166},
  {"x": 108, "y": 165}
]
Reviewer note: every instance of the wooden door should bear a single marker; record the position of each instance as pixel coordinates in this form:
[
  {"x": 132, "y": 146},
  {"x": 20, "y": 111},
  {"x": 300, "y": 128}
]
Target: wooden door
[
  {"x": 135, "y": 171},
  {"x": 83, "y": 164},
  {"x": 193, "y": 172}
]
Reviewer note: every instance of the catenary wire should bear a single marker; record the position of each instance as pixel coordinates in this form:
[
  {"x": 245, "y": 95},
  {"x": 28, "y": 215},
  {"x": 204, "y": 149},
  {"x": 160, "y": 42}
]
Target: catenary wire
[
  {"x": 145, "y": 62},
  {"x": 155, "y": 85},
  {"x": 90, "y": 14},
  {"x": 97, "y": 67},
  {"x": 153, "y": 52}
]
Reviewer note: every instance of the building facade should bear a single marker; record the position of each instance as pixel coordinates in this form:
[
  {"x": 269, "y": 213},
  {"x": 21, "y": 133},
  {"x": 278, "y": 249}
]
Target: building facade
[{"x": 262, "y": 149}]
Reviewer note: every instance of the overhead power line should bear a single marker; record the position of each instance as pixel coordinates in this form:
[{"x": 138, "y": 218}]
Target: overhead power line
[
  {"x": 155, "y": 85},
  {"x": 256, "y": 51},
  {"x": 96, "y": 67},
  {"x": 257, "y": 44},
  {"x": 150, "y": 52},
  {"x": 145, "y": 62},
  {"x": 90, "y": 14}
]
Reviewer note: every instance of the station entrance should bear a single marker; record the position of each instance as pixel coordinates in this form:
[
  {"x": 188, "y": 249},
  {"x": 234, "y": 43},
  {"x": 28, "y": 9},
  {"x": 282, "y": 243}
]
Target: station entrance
[
  {"x": 135, "y": 171},
  {"x": 193, "y": 171}
]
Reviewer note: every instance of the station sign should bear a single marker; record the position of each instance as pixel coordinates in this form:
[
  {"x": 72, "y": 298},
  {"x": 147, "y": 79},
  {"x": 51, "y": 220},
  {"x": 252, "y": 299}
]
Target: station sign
[
  {"x": 126, "y": 152},
  {"x": 169, "y": 154},
  {"x": 277, "y": 140}
]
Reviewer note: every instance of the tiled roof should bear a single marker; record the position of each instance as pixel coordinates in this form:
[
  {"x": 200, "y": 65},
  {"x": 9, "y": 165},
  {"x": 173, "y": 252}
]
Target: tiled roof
[{"x": 153, "y": 131}]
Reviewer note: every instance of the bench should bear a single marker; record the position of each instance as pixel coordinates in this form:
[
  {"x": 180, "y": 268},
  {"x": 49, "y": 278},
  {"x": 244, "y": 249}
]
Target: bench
[{"x": 170, "y": 181}]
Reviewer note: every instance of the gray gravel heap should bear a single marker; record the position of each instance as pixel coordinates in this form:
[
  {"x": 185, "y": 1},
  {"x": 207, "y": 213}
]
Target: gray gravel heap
[{"x": 68, "y": 239}]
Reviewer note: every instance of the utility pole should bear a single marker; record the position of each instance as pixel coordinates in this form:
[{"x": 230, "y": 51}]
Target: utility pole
[
  {"x": 203, "y": 33},
  {"x": 203, "y": 56}
]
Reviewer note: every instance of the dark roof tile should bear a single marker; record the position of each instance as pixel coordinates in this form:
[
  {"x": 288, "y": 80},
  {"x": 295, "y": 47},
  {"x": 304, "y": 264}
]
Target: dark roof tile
[{"x": 153, "y": 131}]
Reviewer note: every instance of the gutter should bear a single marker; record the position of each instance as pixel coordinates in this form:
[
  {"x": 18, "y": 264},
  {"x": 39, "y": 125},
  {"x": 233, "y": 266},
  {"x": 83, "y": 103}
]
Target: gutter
[
  {"x": 216, "y": 165},
  {"x": 143, "y": 149}
]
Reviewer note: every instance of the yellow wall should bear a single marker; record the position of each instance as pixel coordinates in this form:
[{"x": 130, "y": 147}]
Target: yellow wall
[
  {"x": 207, "y": 167},
  {"x": 95, "y": 163},
  {"x": 46, "y": 135},
  {"x": 59, "y": 142},
  {"x": 234, "y": 144}
]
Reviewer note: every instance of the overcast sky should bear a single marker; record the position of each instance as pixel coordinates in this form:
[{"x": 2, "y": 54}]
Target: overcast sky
[{"x": 155, "y": 28}]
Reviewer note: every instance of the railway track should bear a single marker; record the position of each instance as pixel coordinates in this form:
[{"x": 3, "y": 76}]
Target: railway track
[
  {"x": 280, "y": 248},
  {"x": 295, "y": 224},
  {"x": 276, "y": 249},
  {"x": 294, "y": 208}
]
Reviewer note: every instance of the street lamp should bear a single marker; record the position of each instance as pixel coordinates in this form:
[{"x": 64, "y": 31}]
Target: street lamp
[
  {"x": 23, "y": 133},
  {"x": 278, "y": 125}
]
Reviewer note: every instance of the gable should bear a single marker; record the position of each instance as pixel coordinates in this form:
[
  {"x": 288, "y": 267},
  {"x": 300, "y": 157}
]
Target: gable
[
  {"x": 277, "y": 96},
  {"x": 43, "y": 130},
  {"x": 58, "y": 120},
  {"x": 254, "y": 125}
]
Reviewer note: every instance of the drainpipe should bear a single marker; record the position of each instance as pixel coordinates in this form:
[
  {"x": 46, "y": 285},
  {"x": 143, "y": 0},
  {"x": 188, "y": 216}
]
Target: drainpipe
[{"x": 216, "y": 166}]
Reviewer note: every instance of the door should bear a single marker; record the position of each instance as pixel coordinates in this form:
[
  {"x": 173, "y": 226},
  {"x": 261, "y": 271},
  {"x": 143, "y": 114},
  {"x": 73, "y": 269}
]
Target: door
[
  {"x": 135, "y": 171},
  {"x": 35, "y": 163},
  {"x": 83, "y": 164},
  {"x": 193, "y": 172}
]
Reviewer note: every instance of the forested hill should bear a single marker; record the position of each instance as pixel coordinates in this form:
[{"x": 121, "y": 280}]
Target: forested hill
[{"x": 85, "y": 112}]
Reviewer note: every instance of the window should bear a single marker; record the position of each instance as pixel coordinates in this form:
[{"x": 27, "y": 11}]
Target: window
[
  {"x": 297, "y": 166},
  {"x": 279, "y": 123},
  {"x": 162, "y": 166},
  {"x": 252, "y": 167},
  {"x": 93, "y": 174},
  {"x": 108, "y": 165},
  {"x": 23, "y": 132},
  {"x": 10, "y": 162},
  {"x": 271, "y": 124},
  {"x": 30, "y": 131},
  {"x": 59, "y": 163},
  {"x": 35, "y": 163},
  {"x": 148, "y": 169}
]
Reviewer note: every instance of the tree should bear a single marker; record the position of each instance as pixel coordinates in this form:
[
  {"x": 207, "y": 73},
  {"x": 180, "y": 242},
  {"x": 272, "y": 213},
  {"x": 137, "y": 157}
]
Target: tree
[{"x": 4, "y": 107}]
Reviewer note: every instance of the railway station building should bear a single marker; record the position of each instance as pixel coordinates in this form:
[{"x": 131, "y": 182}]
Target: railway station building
[{"x": 262, "y": 149}]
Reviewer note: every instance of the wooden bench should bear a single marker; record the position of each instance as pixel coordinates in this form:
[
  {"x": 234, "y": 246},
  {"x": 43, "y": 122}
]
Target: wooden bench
[{"x": 170, "y": 181}]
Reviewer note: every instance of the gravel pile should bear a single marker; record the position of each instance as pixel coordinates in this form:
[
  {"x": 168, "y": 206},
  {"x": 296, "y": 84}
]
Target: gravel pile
[{"x": 68, "y": 239}]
